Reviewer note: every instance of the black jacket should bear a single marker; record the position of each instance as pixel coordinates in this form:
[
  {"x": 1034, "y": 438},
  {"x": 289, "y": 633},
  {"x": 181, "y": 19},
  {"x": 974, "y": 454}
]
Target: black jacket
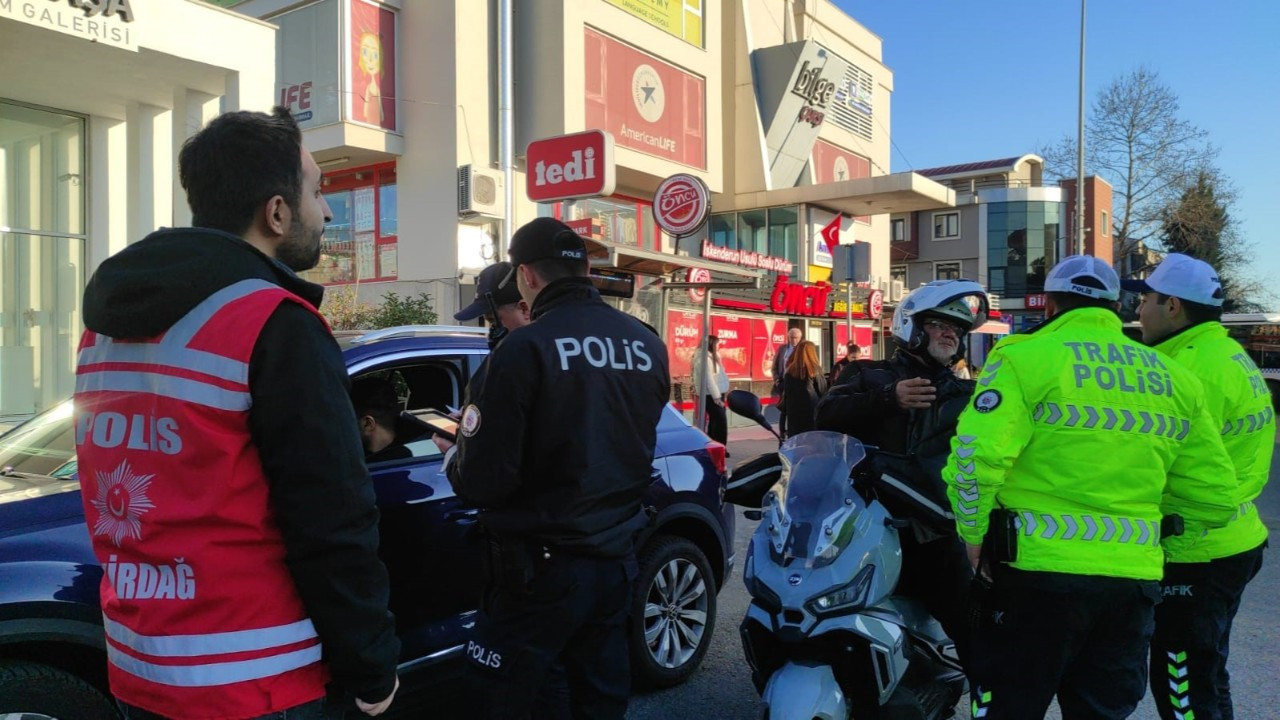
[
  {"x": 800, "y": 401},
  {"x": 557, "y": 442},
  {"x": 301, "y": 422},
  {"x": 862, "y": 404}
]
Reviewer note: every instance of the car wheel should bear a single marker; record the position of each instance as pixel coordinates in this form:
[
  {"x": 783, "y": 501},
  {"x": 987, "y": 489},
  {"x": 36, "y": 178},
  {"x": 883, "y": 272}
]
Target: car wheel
[
  {"x": 673, "y": 612},
  {"x": 30, "y": 691}
]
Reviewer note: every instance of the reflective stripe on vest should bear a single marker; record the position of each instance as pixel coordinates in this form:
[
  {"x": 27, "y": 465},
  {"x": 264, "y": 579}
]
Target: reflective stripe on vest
[
  {"x": 1244, "y": 509},
  {"x": 169, "y": 368},
  {"x": 1257, "y": 421},
  {"x": 1088, "y": 527},
  {"x": 221, "y": 643},
  {"x": 210, "y": 674},
  {"x": 1105, "y": 418}
]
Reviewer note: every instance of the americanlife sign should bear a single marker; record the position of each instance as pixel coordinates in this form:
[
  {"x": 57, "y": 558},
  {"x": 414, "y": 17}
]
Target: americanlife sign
[{"x": 109, "y": 22}]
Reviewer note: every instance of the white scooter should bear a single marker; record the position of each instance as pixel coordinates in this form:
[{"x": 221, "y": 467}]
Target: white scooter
[{"x": 825, "y": 635}]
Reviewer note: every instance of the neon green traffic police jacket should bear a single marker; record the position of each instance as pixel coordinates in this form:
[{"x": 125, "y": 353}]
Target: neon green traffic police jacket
[
  {"x": 1088, "y": 439},
  {"x": 1240, "y": 404}
]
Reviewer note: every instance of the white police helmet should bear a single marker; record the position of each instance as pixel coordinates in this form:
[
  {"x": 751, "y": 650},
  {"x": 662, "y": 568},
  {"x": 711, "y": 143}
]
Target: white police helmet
[{"x": 962, "y": 302}]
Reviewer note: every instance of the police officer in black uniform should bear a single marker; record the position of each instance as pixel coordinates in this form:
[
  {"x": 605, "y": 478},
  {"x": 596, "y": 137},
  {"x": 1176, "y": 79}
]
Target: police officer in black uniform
[{"x": 556, "y": 448}]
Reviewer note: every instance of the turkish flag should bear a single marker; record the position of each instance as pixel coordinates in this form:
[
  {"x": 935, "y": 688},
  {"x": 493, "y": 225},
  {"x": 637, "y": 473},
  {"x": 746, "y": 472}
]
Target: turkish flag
[{"x": 831, "y": 233}]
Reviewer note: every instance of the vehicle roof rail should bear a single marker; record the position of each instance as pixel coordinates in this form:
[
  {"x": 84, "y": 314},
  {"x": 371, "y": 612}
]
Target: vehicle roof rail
[{"x": 407, "y": 331}]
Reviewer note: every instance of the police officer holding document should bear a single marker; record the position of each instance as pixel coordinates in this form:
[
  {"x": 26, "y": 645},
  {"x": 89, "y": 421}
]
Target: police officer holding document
[
  {"x": 1078, "y": 445},
  {"x": 1207, "y": 572},
  {"x": 556, "y": 447}
]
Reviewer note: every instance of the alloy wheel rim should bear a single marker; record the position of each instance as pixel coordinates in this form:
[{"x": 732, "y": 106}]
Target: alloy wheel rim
[{"x": 675, "y": 613}]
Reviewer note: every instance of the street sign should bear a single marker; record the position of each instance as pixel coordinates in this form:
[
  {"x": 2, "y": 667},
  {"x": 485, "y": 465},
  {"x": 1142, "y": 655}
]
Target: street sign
[
  {"x": 851, "y": 263},
  {"x": 681, "y": 204}
]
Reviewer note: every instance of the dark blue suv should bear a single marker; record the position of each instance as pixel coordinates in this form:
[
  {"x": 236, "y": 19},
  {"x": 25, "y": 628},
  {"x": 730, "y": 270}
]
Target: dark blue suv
[{"x": 52, "y": 659}]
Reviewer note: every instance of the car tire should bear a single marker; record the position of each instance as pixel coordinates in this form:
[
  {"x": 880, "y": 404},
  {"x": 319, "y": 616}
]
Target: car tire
[
  {"x": 673, "y": 612},
  {"x": 34, "y": 692}
]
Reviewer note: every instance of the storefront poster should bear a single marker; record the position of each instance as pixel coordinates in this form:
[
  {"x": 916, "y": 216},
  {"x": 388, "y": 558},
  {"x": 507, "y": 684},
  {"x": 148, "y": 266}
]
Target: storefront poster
[
  {"x": 861, "y": 335},
  {"x": 684, "y": 333},
  {"x": 387, "y": 261},
  {"x": 735, "y": 344},
  {"x": 682, "y": 18},
  {"x": 372, "y": 65},
  {"x": 647, "y": 104},
  {"x": 767, "y": 337},
  {"x": 834, "y": 164},
  {"x": 364, "y": 256},
  {"x": 362, "y": 212}
]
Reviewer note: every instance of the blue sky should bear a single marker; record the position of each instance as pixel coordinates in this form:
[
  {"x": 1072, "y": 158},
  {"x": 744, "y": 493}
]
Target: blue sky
[{"x": 998, "y": 78}]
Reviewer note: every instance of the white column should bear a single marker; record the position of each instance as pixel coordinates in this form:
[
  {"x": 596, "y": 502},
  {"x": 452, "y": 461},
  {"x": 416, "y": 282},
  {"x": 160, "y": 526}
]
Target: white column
[
  {"x": 192, "y": 110},
  {"x": 151, "y": 159},
  {"x": 108, "y": 190}
]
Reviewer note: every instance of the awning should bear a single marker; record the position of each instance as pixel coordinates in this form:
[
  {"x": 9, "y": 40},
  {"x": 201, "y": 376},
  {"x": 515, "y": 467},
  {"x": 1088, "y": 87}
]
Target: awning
[
  {"x": 896, "y": 193},
  {"x": 994, "y": 327},
  {"x": 628, "y": 258}
]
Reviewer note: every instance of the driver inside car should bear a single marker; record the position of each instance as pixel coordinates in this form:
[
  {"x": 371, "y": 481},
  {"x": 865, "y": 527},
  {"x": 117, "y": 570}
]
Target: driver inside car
[{"x": 384, "y": 429}]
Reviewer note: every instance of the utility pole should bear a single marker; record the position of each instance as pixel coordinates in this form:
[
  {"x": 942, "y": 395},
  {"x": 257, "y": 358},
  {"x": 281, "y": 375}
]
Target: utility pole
[{"x": 1078, "y": 242}]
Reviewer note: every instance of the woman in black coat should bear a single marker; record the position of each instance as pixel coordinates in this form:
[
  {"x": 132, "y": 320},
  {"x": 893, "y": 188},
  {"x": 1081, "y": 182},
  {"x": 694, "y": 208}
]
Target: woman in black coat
[{"x": 803, "y": 385}]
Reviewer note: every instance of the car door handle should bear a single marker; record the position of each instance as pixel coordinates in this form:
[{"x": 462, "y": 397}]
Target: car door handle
[{"x": 464, "y": 517}]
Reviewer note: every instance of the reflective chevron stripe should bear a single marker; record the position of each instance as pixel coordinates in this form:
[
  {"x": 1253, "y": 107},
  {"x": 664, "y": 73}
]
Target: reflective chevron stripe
[
  {"x": 1104, "y": 418},
  {"x": 1180, "y": 687},
  {"x": 1249, "y": 423},
  {"x": 980, "y": 703},
  {"x": 1085, "y": 526},
  {"x": 966, "y": 485},
  {"x": 989, "y": 373}
]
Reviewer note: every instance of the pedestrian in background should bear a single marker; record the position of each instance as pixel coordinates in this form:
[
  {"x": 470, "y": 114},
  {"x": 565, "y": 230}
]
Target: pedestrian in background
[
  {"x": 802, "y": 387},
  {"x": 1206, "y": 572},
  {"x": 716, "y": 382},
  {"x": 252, "y": 499},
  {"x": 1076, "y": 446},
  {"x": 780, "y": 360},
  {"x": 851, "y": 356}
]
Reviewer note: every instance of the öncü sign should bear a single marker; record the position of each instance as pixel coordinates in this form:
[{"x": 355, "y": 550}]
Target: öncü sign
[
  {"x": 681, "y": 204},
  {"x": 570, "y": 166}
]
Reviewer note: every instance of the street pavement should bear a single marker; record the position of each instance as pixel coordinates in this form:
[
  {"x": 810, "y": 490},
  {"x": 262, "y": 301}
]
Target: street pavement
[{"x": 722, "y": 689}]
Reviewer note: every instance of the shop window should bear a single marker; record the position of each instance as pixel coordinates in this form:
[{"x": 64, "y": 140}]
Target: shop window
[
  {"x": 946, "y": 226},
  {"x": 722, "y": 231},
  {"x": 783, "y": 230},
  {"x": 618, "y": 219},
  {"x": 946, "y": 271},
  {"x": 753, "y": 231},
  {"x": 360, "y": 244}
]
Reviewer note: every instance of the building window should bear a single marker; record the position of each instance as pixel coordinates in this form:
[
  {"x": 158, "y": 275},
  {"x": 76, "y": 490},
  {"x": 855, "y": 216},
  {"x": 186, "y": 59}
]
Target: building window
[
  {"x": 898, "y": 273},
  {"x": 898, "y": 230},
  {"x": 361, "y": 243},
  {"x": 722, "y": 232},
  {"x": 43, "y": 185},
  {"x": 946, "y": 226},
  {"x": 946, "y": 271},
  {"x": 1105, "y": 224},
  {"x": 1022, "y": 242}
]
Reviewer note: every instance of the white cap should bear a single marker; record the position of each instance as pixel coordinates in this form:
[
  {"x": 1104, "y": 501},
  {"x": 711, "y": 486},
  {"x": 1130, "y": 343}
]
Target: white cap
[
  {"x": 1084, "y": 275},
  {"x": 1183, "y": 277}
]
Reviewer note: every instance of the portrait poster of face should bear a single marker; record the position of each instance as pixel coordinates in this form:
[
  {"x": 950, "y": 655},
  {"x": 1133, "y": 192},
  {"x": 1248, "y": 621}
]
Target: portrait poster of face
[{"x": 372, "y": 65}]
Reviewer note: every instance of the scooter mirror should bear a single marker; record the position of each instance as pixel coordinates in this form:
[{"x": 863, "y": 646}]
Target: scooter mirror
[{"x": 746, "y": 404}]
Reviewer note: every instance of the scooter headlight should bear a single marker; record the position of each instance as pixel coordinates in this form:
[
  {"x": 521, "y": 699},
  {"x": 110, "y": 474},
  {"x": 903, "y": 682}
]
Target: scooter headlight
[{"x": 848, "y": 598}]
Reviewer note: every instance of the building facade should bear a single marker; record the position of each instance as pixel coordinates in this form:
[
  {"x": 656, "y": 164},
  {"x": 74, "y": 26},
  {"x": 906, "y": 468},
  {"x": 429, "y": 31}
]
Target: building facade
[
  {"x": 94, "y": 108},
  {"x": 1006, "y": 230}
]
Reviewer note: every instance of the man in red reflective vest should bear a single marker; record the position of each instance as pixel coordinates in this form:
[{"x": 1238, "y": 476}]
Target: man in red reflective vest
[{"x": 221, "y": 467}]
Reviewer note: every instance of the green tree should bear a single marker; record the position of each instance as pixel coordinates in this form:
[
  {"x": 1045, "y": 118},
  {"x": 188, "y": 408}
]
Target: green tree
[
  {"x": 1199, "y": 224},
  {"x": 1135, "y": 140},
  {"x": 344, "y": 311}
]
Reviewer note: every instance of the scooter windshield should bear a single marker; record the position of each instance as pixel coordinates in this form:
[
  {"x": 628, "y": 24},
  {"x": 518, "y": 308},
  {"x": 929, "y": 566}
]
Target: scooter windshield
[{"x": 813, "y": 507}]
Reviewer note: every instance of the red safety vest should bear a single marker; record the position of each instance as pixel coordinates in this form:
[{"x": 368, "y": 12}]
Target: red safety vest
[{"x": 202, "y": 617}]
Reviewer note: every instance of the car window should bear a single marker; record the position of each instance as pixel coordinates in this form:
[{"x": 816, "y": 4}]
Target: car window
[
  {"x": 44, "y": 445},
  {"x": 435, "y": 383}
]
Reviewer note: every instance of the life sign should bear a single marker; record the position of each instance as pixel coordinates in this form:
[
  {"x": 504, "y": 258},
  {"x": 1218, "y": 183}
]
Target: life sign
[{"x": 570, "y": 166}]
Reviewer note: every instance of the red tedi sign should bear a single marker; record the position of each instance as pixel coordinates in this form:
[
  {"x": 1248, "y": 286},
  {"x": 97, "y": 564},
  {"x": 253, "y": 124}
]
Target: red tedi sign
[
  {"x": 570, "y": 166},
  {"x": 681, "y": 204}
]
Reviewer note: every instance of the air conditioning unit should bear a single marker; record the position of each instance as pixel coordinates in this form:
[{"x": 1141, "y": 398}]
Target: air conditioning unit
[
  {"x": 896, "y": 290},
  {"x": 883, "y": 286},
  {"x": 479, "y": 193}
]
